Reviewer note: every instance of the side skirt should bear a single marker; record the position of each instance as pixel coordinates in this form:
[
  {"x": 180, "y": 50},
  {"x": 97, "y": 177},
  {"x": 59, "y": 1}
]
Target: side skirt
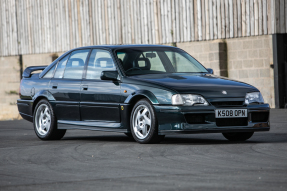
[{"x": 93, "y": 125}]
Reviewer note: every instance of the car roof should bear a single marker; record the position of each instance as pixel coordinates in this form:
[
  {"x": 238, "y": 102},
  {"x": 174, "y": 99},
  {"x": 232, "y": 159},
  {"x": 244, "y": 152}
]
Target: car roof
[{"x": 125, "y": 46}]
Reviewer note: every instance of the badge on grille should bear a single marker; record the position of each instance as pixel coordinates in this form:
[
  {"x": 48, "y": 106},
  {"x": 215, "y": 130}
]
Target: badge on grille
[{"x": 224, "y": 92}]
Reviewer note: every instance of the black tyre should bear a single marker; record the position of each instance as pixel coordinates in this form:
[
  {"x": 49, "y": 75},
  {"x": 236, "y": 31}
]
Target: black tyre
[
  {"x": 239, "y": 136},
  {"x": 143, "y": 123},
  {"x": 45, "y": 123}
]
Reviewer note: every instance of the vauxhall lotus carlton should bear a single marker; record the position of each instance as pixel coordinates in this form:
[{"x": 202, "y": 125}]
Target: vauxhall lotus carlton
[{"x": 144, "y": 91}]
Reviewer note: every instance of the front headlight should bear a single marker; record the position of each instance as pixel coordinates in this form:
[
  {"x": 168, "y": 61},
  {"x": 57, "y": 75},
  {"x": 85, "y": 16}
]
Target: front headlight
[
  {"x": 188, "y": 100},
  {"x": 254, "y": 97}
]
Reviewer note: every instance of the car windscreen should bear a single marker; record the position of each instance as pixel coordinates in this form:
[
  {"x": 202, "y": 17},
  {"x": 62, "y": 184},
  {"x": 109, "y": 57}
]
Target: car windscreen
[{"x": 152, "y": 60}]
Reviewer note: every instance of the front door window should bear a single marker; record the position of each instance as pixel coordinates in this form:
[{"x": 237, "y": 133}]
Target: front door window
[{"x": 100, "y": 60}]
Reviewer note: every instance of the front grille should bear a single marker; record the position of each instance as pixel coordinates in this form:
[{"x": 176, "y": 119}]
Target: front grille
[
  {"x": 259, "y": 116},
  {"x": 232, "y": 121},
  {"x": 195, "y": 118},
  {"x": 227, "y": 103}
]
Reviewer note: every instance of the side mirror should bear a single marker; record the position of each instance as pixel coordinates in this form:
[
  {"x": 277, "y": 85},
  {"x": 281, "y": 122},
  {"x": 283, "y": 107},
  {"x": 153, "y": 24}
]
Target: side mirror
[
  {"x": 209, "y": 70},
  {"x": 109, "y": 75}
]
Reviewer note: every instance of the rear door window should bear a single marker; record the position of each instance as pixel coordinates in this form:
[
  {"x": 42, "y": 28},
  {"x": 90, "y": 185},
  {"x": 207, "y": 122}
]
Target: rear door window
[{"x": 76, "y": 63}]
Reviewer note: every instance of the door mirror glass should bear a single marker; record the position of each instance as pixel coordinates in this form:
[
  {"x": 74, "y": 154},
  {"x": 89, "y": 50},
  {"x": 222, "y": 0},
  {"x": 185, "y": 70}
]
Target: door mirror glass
[
  {"x": 210, "y": 70},
  {"x": 109, "y": 75}
]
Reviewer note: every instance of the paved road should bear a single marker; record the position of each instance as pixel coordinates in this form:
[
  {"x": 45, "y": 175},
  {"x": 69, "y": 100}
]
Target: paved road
[{"x": 90, "y": 160}]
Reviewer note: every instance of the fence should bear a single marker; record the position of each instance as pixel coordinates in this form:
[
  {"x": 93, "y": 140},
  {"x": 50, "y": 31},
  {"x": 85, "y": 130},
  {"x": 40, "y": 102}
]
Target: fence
[{"x": 42, "y": 26}]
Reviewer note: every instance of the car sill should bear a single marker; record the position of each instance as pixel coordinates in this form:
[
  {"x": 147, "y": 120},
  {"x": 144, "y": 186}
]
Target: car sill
[{"x": 97, "y": 126}]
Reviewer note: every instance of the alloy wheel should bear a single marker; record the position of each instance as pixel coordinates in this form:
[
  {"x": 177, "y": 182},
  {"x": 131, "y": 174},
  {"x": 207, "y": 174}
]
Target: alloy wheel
[
  {"x": 43, "y": 119},
  {"x": 141, "y": 121}
]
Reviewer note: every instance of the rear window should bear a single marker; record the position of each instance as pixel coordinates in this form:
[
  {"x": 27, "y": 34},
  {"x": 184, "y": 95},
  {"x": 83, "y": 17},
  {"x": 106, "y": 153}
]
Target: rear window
[
  {"x": 50, "y": 73},
  {"x": 61, "y": 67}
]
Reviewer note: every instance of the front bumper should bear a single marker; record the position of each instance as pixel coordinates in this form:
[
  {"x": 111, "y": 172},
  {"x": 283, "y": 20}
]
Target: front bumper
[{"x": 172, "y": 119}]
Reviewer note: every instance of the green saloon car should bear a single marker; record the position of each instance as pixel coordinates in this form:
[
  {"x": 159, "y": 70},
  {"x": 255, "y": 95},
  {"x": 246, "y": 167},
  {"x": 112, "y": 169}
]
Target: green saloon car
[{"x": 144, "y": 91}]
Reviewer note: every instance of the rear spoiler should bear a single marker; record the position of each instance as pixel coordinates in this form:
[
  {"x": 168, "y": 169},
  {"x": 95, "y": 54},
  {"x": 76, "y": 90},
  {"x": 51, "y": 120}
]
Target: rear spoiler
[{"x": 27, "y": 72}]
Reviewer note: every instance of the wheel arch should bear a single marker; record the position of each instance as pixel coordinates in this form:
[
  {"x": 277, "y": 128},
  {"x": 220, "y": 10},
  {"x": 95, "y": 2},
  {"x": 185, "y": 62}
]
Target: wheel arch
[
  {"x": 141, "y": 94},
  {"x": 44, "y": 94},
  {"x": 138, "y": 95},
  {"x": 133, "y": 99},
  {"x": 151, "y": 138}
]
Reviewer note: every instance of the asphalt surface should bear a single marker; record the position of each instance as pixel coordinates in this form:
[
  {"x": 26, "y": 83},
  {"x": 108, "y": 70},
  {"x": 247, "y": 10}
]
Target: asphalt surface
[{"x": 91, "y": 160}]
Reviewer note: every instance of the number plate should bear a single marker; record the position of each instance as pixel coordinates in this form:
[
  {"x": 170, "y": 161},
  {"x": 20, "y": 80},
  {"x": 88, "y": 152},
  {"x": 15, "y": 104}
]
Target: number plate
[{"x": 225, "y": 113}]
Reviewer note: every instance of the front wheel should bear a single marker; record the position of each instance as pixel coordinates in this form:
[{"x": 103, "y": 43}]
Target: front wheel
[
  {"x": 143, "y": 122},
  {"x": 45, "y": 123},
  {"x": 238, "y": 136}
]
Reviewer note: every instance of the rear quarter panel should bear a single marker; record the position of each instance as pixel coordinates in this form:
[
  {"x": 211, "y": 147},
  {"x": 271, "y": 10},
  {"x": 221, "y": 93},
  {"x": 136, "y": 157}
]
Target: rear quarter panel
[{"x": 30, "y": 90}]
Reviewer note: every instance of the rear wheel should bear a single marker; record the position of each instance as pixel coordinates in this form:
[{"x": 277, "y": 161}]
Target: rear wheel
[
  {"x": 144, "y": 125},
  {"x": 45, "y": 123},
  {"x": 238, "y": 136}
]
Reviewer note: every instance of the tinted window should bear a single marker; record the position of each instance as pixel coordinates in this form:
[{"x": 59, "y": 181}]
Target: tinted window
[
  {"x": 51, "y": 72},
  {"x": 121, "y": 55},
  {"x": 61, "y": 67},
  {"x": 153, "y": 60},
  {"x": 182, "y": 62},
  {"x": 75, "y": 66},
  {"x": 100, "y": 60}
]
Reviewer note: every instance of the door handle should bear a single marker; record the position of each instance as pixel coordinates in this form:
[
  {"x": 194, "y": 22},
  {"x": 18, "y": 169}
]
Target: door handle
[
  {"x": 85, "y": 87},
  {"x": 54, "y": 86}
]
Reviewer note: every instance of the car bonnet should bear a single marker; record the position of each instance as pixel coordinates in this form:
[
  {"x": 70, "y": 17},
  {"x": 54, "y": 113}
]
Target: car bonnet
[{"x": 210, "y": 86}]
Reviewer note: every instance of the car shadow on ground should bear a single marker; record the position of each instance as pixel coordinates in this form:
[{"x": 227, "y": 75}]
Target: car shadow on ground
[{"x": 186, "y": 139}]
